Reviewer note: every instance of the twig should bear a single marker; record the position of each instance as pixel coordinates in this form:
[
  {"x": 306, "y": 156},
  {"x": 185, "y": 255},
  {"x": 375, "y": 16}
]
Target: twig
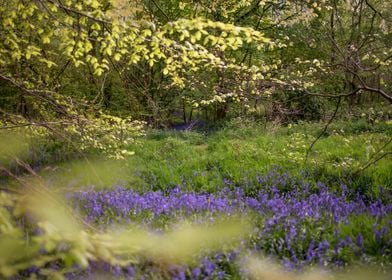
[
  {"x": 324, "y": 129},
  {"x": 160, "y": 9},
  {"x": 69, "y": 9},
  {"x": 370, "y": 161}
]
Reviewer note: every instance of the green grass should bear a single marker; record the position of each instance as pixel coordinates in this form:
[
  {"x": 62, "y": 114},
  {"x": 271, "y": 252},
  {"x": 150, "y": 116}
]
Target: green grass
[{"x": 240, "y": 151}]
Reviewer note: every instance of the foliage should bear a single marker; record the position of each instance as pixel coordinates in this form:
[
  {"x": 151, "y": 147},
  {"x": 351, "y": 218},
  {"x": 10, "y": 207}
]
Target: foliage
[
  {"x": 106, "y": 134},
  {"x": 96, "y": 36}
]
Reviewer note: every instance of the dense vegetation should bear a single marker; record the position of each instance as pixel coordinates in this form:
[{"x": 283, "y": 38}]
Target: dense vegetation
[{"x": 190, "y": 139}]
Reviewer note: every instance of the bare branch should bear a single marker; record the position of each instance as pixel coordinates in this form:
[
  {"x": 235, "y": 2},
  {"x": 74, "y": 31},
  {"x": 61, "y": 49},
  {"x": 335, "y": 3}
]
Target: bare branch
[
  {"x": 370, "y": 163},
  {"x": 324, "y": 129}
]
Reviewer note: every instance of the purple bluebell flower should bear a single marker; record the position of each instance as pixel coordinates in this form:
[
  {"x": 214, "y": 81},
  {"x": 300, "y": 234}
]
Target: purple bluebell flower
[
  {"x": 359, "y": 241},
  {"x": 290, "y": 211},
  {"x": 196, "y": 272},
  {"x": 208, "y": 266}
]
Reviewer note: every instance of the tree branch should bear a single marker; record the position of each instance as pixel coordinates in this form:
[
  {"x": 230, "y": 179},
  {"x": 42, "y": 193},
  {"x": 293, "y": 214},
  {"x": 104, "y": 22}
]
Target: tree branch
[{"x": 324, "y": 129}]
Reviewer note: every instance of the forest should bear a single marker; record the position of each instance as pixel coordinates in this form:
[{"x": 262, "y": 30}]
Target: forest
[{"x": 195, "y": 139}]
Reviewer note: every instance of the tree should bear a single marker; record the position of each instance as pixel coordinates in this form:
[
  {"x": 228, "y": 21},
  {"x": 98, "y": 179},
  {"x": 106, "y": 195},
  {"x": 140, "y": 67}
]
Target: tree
[{"x": 48, "y": 43}]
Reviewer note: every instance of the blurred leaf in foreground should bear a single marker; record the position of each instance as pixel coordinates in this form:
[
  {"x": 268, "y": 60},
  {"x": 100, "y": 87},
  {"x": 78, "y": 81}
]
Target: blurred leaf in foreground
[
  {"x": 185, "y": 242},
  {"x": 12, "y": 145},
  {"x": 262, "y": 269},
  {"x": 47, "y": 207},
  {"x": 95, "y": 172}
]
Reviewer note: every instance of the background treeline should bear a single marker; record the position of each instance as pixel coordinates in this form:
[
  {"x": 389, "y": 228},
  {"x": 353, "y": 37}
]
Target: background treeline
[{"x": 55, "y": 55}]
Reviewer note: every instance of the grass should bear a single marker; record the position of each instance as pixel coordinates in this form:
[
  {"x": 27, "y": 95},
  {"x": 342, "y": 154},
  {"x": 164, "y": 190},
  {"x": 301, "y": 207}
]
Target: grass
[{"x": 238, "y": 152}]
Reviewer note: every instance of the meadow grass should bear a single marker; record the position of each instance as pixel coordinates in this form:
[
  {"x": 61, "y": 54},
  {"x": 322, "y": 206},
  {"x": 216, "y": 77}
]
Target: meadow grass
[{"x": 201, "y": 160}]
